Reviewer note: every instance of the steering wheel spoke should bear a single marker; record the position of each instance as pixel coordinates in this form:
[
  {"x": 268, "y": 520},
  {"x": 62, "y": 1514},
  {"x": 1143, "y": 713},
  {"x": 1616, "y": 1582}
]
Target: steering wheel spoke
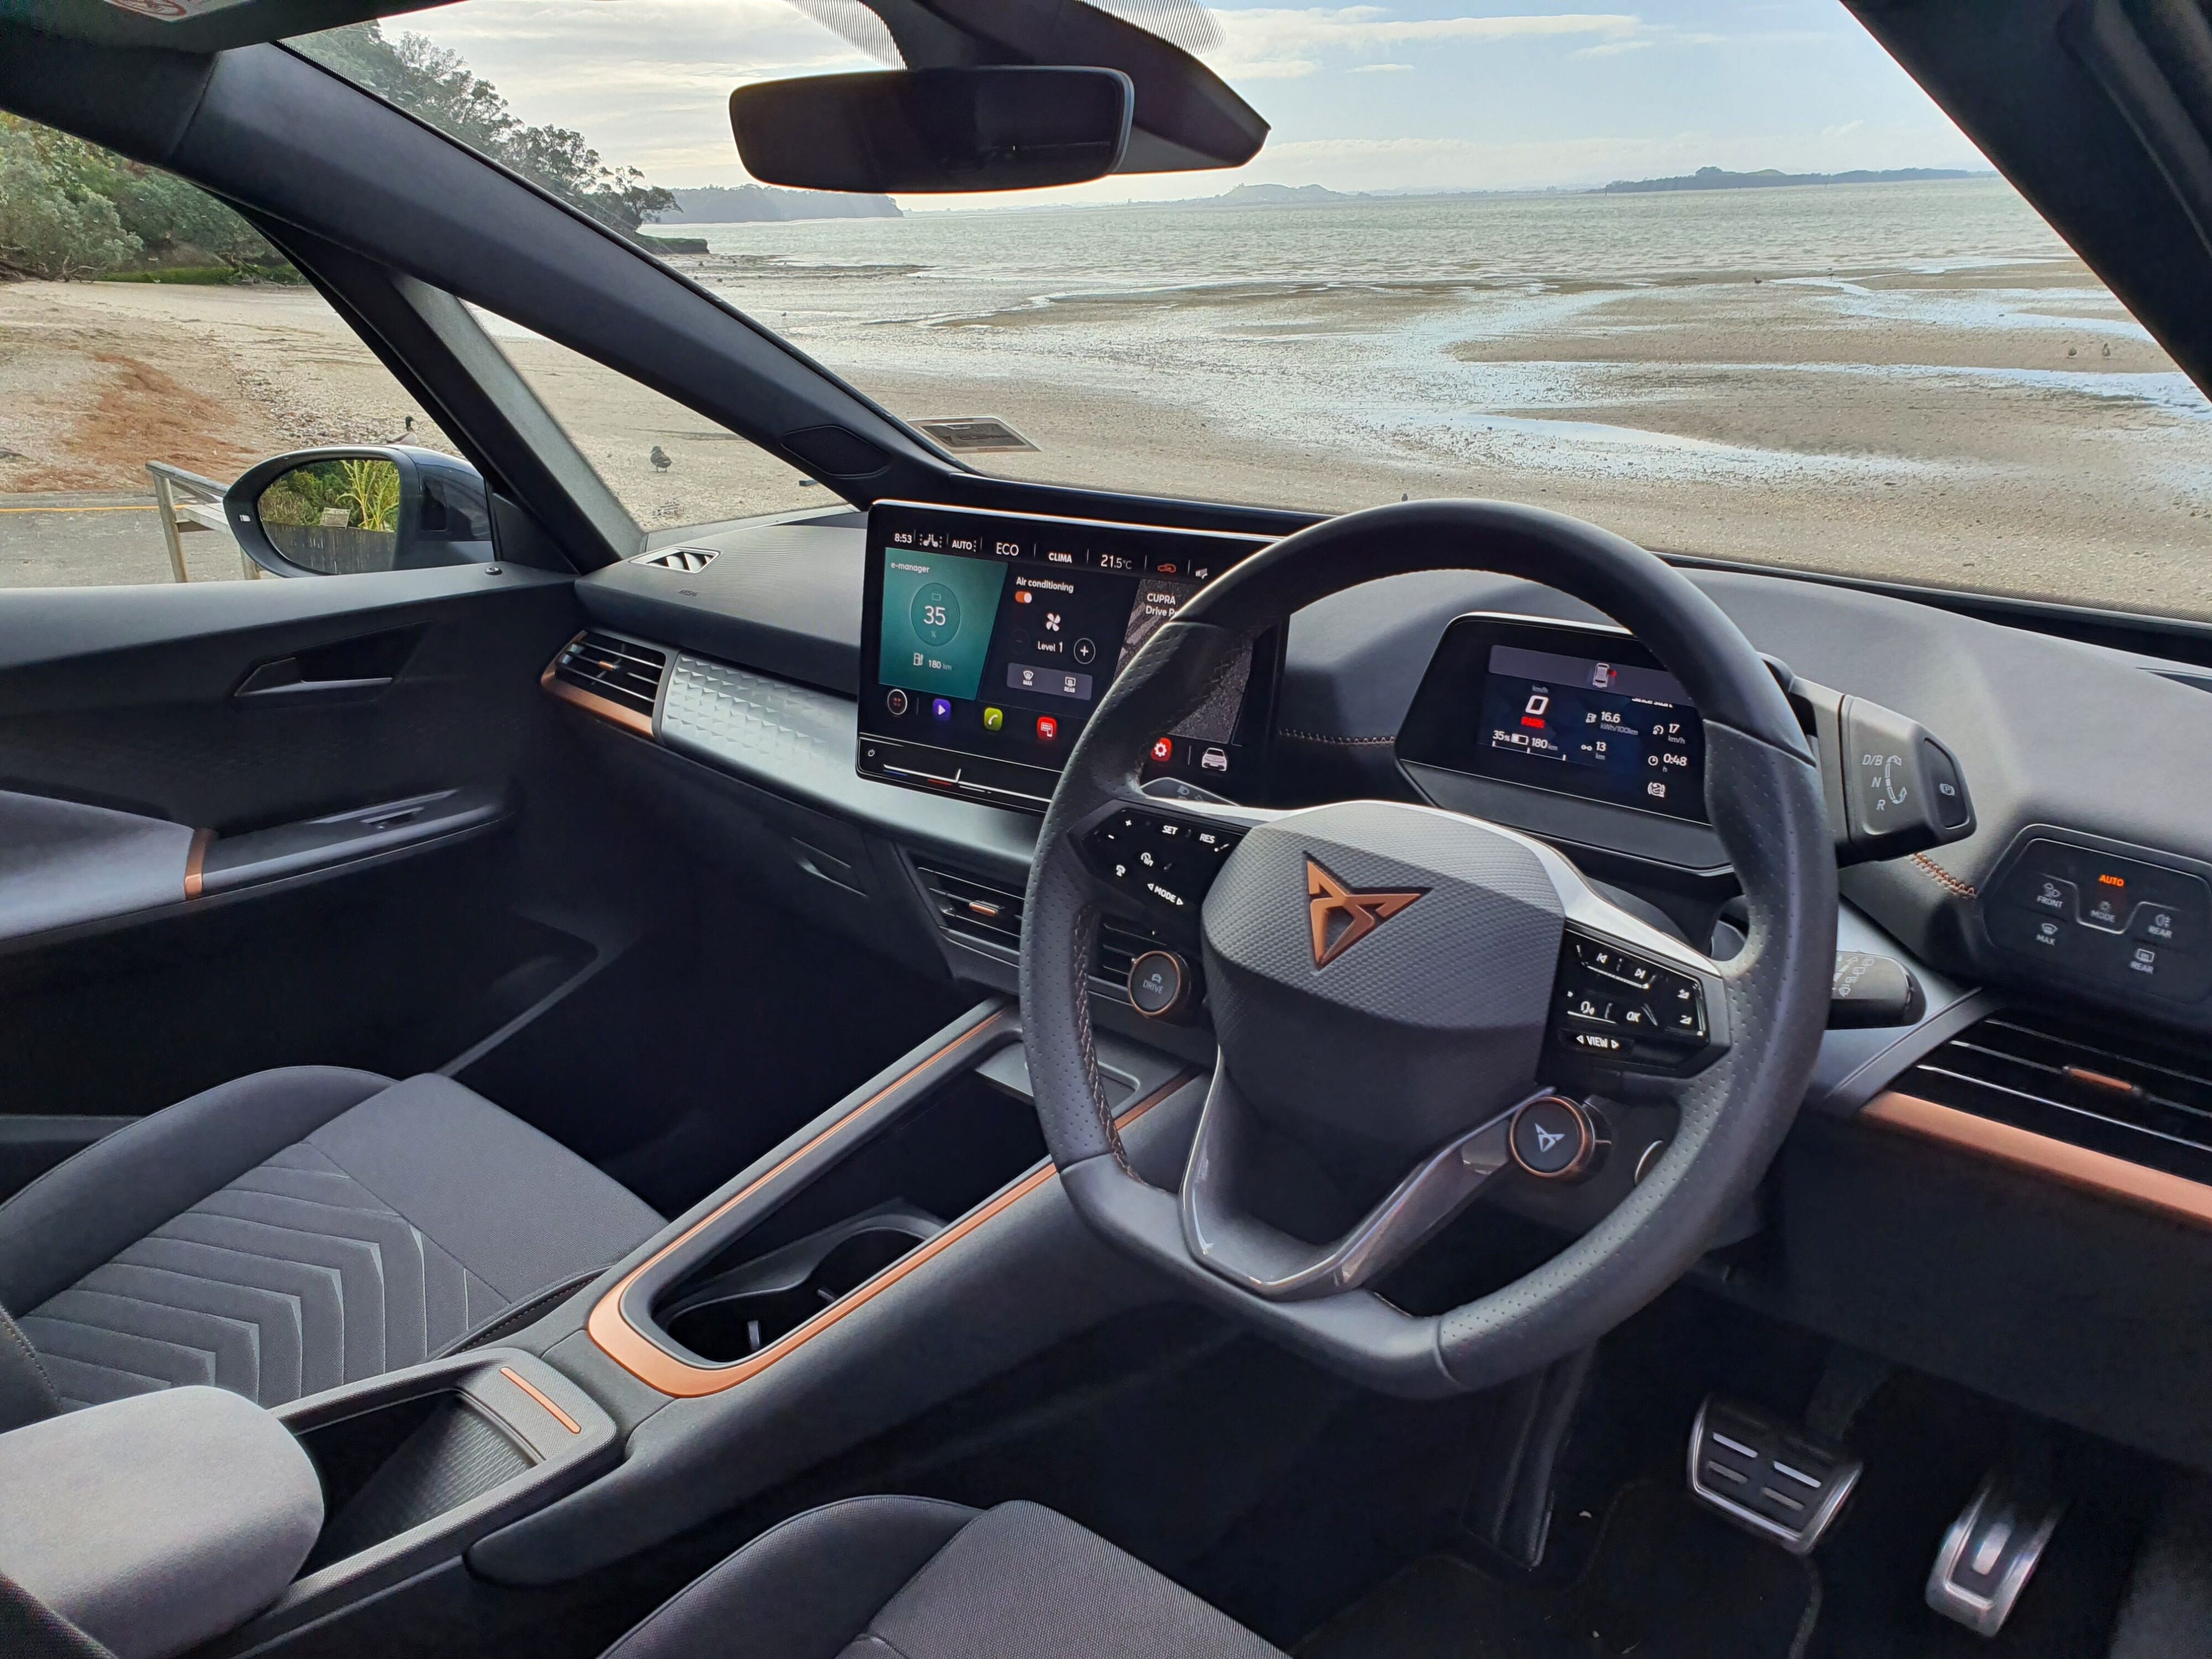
[{"x": 1223, "y": 1233}]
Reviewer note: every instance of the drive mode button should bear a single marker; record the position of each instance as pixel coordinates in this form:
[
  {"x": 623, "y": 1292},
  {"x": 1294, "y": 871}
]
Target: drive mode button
[{"x": 1555, "y": 1140}]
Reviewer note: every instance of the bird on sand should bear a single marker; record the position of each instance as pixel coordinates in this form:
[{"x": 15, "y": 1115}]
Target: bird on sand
[{"x": 660, "y": 458}]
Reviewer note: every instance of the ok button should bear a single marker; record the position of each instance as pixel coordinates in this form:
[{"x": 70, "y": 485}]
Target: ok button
[{"x": 1554, "y": 1138}]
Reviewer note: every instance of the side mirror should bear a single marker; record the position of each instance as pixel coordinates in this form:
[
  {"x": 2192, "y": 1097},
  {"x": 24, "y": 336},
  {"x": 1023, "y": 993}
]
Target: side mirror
[
  {"x": 346, "y": 512},
  {"x": 932, "y": 130}
]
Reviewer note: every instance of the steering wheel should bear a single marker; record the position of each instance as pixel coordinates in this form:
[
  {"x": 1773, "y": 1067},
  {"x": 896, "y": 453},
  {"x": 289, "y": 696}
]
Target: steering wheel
[{"x": 1382, "y": 975}]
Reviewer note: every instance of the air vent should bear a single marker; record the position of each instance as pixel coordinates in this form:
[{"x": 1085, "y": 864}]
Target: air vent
[
  {"x": 2144, "y": 1098},
  {"x": 614, "y": 668},
  {"x": 990, "y": 913},
  {"x": 685, "y": 559}
]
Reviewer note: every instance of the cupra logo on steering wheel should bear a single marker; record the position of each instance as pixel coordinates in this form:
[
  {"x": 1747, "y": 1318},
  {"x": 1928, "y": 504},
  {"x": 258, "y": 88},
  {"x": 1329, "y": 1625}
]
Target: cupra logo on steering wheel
[{"x": 1341, "y": 918}]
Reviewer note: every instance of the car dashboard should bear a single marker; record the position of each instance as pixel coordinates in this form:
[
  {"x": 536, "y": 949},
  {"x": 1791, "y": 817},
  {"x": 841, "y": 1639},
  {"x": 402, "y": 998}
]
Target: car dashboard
[{"x": 2020, "y": 832}]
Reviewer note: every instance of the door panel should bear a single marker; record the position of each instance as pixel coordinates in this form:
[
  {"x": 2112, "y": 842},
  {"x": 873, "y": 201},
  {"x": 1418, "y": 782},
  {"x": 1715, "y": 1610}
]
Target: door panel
[{"x": 196, "y": 884}]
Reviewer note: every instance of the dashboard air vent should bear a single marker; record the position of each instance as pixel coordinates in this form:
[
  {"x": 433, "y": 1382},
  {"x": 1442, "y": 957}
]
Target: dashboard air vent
[
  {"x": 990, "y": 913},
  {"x": 681, "y": 558},
  {"x": 616, "y": 669},
  {"x": 2126, "y": 1093}
]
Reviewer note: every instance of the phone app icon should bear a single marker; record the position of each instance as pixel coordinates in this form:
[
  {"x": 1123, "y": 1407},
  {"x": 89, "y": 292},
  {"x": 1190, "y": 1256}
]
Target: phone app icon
[{"x": 993, "y": 719}]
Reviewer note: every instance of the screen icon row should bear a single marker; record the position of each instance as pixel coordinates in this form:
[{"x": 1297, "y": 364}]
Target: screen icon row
[{"x": 896, "y": 703}]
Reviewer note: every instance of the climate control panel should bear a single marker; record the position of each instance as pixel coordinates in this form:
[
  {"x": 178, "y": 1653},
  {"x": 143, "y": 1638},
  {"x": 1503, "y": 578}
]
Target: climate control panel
[{"x": 2081, "y": 910}]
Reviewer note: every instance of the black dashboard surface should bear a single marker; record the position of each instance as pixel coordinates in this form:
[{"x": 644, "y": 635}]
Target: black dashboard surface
[{"x": 2050, "y": 732}]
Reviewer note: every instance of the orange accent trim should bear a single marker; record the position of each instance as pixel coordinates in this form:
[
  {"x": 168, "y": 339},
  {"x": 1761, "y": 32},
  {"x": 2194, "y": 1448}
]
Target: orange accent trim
[
  {"x": 538, "y": 1395},
  {"x": 1363, "y": 913},
  {"x": 2077, "y": 1166},
  {"x": 653, "y": 1365},
  {"x": 196, "y": 862},
  {"x": 2119, "y": 1085},
  {"x": 614, "y": 1333},
  {"x": 607, "y": 709}
]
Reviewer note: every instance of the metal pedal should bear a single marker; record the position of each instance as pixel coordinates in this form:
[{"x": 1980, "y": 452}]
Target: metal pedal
[
  {"x": 1779, "y": 1482},
  {"x": 1992, "y": 1549}
]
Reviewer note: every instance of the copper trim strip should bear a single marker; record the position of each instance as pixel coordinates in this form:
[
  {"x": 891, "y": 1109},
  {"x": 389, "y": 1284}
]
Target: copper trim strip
[
  {"x": 538, "y": 1395},
  {"x": 196, "y": 862},
  {"x": 615, "y": 1334},
  {"x": 605, "y": 708},
  {"x": 2077, "y": 1166},
  {"x": 2118, "y": 1085},
  {"x": 653, "y": 1365}
]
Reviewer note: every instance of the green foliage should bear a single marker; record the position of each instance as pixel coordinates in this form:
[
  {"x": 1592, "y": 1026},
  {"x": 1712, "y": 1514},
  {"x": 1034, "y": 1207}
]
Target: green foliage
[
  {"x": 436, "y": 86},
  {"x": 54, "y": 220},
  {"x": 367, "y": 491},
  {"x": 69, "y": 208}
]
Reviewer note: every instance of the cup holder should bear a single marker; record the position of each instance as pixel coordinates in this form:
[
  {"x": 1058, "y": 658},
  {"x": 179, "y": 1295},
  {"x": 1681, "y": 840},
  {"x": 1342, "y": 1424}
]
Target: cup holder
[{"x": 741, "y": 1310}]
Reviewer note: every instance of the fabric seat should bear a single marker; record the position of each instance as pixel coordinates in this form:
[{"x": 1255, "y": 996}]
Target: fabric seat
[
  {"x": 914, "y": 1579},
  {"x": 290, "y": 1231}
]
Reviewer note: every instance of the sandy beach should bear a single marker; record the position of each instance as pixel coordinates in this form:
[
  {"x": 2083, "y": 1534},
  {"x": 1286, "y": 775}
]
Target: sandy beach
[{"x": 1985, "y": 417}]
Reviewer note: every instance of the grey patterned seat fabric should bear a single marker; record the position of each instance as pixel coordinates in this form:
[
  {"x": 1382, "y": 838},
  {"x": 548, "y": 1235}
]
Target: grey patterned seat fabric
[
  {"x": 292, "y": 1230},
  {"x": 914, "y": 1579}
]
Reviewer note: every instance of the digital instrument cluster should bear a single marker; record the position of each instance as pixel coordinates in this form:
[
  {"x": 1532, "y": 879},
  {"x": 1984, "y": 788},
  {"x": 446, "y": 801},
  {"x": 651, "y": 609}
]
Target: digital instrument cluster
[
  {"x": 1572, "y": 709},
  {"x": 989, "y": 638}
]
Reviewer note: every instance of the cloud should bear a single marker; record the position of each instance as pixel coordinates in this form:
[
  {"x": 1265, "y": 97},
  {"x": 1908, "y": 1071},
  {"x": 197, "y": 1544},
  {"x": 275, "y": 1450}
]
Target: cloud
[
  {"x": 1615, "y": 48},
  {"x": 1257, "y": 38},
  {"x": 1378, "y": 69}
]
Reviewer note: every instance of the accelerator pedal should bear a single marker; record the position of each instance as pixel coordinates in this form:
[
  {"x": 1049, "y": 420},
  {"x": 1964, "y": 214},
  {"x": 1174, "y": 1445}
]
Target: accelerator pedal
[{"x": 1781, "y": 1483}]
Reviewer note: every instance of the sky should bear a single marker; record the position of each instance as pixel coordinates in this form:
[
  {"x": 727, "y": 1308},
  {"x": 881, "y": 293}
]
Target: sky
[{"x": 1431, "y": 94}]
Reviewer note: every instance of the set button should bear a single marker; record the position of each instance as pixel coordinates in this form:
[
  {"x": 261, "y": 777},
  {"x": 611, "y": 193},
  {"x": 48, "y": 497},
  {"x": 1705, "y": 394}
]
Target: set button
[{"x": 1168, "y": 863}]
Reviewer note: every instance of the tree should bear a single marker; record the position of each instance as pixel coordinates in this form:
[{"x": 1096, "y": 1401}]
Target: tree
[
  {"x": 54, "y": 222},
  {"x": 70, "y": 209},
  {"x": 435, "y": 85}
]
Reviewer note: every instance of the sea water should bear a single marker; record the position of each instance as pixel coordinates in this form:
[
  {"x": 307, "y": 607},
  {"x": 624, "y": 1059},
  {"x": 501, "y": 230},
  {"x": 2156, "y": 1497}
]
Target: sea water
[{"x": 1423, "y": 324}]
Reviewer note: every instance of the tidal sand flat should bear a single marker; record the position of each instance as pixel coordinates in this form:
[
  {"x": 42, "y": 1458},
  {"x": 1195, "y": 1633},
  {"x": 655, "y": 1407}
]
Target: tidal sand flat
[{"x": 1907, "y": 381}]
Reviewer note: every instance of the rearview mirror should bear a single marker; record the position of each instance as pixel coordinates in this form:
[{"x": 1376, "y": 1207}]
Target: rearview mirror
[
  {"x": 932, "y": 130},
  {"x": 346, "y": 512}
]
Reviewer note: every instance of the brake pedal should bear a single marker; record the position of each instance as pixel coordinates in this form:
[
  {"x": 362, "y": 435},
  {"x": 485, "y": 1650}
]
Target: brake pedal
[
  {"x": 1780, "y": 1482},
  {"x": 1992, "y": 1551}
]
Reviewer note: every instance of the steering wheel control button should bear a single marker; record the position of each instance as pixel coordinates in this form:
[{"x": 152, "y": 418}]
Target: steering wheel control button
[
  {"x": 1160, "y": 985},
  {"x": 1780, "y": 1483},
  {"x": 1614, "y": 1004},
  {"x": 1168, "y": 865},
  {"x": 1553, "y": 1139}
]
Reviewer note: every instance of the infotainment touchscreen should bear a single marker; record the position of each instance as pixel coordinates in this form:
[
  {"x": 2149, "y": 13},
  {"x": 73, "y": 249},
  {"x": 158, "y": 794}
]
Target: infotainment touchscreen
[
  {"x": 987, "y": 640},
  {"x": 1575, "y": 710}
]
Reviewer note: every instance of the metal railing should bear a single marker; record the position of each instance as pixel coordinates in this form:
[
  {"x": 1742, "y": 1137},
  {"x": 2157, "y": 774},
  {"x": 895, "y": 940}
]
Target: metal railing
[{"x": 189, "y": 504}]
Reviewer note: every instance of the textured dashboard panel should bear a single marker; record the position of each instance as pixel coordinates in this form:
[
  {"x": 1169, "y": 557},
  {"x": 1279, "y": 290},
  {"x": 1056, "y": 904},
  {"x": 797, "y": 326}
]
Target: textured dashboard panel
[{"x": 720, "y": 711}]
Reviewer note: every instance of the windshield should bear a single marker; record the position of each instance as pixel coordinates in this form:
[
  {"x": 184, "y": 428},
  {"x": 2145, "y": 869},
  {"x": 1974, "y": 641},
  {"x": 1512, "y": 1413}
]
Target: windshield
[{"x": 1717, "y": 276}]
